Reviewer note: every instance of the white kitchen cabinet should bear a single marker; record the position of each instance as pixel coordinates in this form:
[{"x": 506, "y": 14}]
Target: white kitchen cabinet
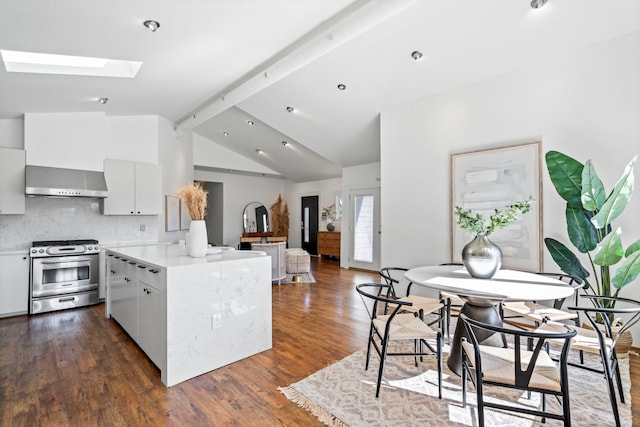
[
  {"x": 150, "y": 331},
  {"x": 137, "y": 303},
  {"x": 14, "y": 284},
  {"x": 135, "y": 188},
  {"x": 148, "y": 186},
  {"x": 124, "y": 295},
  {"x": 12, "y": 185}
]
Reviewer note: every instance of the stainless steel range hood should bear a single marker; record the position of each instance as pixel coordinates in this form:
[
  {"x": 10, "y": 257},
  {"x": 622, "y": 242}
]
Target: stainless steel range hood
[{"x": 58, "y": 182}]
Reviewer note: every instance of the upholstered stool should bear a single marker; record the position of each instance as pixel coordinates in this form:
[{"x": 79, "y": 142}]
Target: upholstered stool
[{"x": 297, "y": 260}]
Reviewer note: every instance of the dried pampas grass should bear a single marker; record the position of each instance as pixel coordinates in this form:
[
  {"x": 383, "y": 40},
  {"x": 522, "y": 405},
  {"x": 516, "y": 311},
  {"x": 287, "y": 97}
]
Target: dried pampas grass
[
  {"x": 195, "y": 199},
  {"x": 280, "y": 217}
]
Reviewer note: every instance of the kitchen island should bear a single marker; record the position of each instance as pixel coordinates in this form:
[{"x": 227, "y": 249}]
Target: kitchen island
[{"x": 191, "y": 315}]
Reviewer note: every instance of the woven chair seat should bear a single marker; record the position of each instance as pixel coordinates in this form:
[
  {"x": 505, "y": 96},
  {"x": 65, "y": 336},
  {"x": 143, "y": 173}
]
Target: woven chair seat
[
  {"x": 455, "y": 298},
  {"x": 585, "y": 339},
  {"x": 405, "y": 326},
  {"x": 537, "y": 312},
  {"x": 498, "y": 366},
  {"x": 427, "y": 305}
]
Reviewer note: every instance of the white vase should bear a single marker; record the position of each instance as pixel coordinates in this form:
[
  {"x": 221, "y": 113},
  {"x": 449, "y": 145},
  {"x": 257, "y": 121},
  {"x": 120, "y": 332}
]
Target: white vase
[{"x": 197, "y": 243}]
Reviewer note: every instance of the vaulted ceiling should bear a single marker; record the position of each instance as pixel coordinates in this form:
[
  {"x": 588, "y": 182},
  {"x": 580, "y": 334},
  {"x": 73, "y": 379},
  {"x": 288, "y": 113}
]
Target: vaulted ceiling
[{"x": 215, "y": 65}]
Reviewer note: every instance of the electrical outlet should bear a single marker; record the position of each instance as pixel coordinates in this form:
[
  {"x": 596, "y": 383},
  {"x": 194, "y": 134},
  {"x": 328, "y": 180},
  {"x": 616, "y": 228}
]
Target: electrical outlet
[
  {"x": 143, "y": 227},
  {"x": 216, "y": 321}
]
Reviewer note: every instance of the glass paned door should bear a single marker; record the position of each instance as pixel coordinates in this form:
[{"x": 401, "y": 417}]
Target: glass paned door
[{"x": 365, "y": 229}]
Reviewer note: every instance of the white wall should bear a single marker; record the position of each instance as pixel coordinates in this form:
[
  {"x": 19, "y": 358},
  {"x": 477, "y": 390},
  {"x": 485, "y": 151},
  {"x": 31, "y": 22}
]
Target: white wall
[
  {"x": 12, "y": 133},
  {"x": 239, "y": 190},
  {"x": 175, "y": 157},
  {"x": 586, "y": 104},
  {"x": 133, "y": 138},
  {"x": 326, "y": 191},
  {"x": 65, "y": 140}
]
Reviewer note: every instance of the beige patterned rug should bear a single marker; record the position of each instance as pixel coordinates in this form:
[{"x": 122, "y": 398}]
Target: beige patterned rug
[{"x": 343, "y": 394}]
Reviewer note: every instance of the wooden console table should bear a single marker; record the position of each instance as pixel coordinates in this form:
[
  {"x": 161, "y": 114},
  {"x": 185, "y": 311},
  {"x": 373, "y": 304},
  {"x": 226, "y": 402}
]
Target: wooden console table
[{"x": 329, "y": 243}]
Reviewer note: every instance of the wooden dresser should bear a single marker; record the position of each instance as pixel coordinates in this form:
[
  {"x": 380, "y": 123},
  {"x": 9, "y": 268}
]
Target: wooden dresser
[{"x": 329, "y": 243}]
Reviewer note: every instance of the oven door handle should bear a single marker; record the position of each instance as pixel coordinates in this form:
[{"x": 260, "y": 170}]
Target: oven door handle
[{"x": 51, "y": 265}]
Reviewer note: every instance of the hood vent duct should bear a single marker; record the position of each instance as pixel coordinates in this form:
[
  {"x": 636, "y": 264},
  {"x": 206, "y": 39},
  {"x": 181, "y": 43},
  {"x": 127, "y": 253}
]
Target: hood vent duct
[{"x": 58, "y": 182}]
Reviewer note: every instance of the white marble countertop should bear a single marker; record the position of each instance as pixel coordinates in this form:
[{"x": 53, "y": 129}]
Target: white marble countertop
[
  {"x": 109, "y": 245},
  {"x": 15, "y": 252},
  {"x": 175, "y": 255}
]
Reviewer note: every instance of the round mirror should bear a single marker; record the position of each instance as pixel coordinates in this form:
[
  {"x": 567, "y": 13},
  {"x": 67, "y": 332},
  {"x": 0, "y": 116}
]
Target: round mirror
[{"x": 255, "y": 218}]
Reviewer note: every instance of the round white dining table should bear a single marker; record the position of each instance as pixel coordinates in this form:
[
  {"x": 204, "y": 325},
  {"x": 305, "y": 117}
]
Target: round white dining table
[{"x": 482, "y": 295}]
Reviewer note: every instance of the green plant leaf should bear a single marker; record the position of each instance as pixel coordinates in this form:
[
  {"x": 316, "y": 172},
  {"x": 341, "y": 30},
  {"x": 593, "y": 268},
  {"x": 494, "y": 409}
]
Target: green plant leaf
[
  {"x": 609, "y": 251},
  {"x": 565, "y": 259},
  {"x": 593, "y": 194},
  {"x": 627, "y": 272},
  {"x": 581, "y": 231},
  {"x": 566, "y": 176},
  {"x": 618, "y": 199},
  {"x": 635, "y": 246}
]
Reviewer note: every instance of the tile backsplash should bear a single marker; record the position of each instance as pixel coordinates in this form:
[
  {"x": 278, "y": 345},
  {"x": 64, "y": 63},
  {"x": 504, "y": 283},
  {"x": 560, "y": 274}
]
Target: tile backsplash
[{"x": 72, "y": 218}]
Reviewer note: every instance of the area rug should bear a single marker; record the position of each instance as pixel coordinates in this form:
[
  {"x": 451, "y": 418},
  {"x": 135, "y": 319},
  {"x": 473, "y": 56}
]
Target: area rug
[
  {"x": 306, "y": 278},
  {"x": 343, "y": 394}
]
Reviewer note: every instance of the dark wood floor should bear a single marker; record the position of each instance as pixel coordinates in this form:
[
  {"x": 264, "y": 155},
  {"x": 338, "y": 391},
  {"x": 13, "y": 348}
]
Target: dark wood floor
[{"x": 77, "y": 368}]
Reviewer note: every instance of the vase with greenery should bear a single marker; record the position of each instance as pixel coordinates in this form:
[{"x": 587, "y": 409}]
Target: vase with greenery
[
  {"x": 589, "y": 213},
  {"x": 481, "y": 257}
]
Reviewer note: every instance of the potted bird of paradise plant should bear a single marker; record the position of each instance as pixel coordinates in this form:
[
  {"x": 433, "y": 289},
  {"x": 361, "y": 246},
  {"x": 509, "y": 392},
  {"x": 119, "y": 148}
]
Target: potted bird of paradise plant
[{"x": 590, "y": 211}]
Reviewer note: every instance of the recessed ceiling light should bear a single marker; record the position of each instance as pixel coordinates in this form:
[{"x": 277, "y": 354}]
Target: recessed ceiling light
[
  {"x": 258, "y": 151},
  {"x": 416, "y": 54},
  {"x": 103, "y": 100},
  {"x": 537, "y": 4},
  {"x": 48, "y": 63},
  {"x": 342, "y": 86},
  {"x": 290, "y": 109},
  {"x": 152, "y": 25},
  {"x": 225, "y": 133},
  {"x": 250, "y": 122}
]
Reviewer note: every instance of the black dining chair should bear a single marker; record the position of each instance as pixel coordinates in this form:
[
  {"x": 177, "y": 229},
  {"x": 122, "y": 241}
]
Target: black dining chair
[
  {"x": 514, "y": 312},
  {"x": 452, "y": 304},
  {"x": 601, "y": 338},
  {"x": 516, "y": 367},
  {"x": 394, "y": 277},
  {"x": 389, "y": 322}
]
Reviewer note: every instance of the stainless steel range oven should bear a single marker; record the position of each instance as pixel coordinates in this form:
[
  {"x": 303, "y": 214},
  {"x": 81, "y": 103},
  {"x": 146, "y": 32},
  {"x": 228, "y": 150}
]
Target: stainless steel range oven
[{"x": 64, "y": 274}]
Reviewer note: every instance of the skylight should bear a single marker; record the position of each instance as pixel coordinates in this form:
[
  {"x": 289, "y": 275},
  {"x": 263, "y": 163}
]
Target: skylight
[{"x": 47, "y": 63}]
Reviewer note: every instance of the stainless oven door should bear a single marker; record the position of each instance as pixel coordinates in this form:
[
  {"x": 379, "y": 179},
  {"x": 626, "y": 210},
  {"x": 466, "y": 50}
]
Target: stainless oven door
[{"x": 63, "y": 275}]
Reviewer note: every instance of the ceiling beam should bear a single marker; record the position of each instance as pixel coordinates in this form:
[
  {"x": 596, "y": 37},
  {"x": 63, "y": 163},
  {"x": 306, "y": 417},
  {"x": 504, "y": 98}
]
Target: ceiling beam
[{"x": 356, "y": 19}]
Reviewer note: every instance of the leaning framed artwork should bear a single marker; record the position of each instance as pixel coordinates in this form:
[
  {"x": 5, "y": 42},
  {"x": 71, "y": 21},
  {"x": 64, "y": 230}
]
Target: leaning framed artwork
[
  {"x": 185, "y": 219},
  {"x": 494, "y": 178},
  {"x": 171, "y": 213}
]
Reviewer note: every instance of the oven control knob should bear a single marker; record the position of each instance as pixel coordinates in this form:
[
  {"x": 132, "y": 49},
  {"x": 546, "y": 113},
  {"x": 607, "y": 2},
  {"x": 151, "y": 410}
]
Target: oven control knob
[
  {"x": 34, "y": 251},
  {"x": 41, "y": 251}
]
